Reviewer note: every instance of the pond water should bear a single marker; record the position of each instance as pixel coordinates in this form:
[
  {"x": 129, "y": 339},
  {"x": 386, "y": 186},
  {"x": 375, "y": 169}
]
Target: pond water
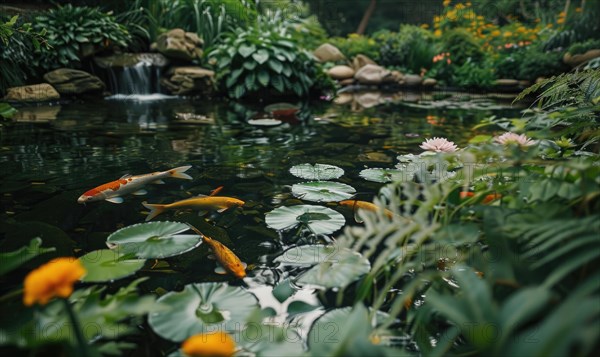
[{"x": 52, "y": 154}]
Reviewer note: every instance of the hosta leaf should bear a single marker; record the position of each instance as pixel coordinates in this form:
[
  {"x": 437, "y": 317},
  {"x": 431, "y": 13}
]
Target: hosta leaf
[
  {"x": 263, "y": 77},
  {"x": 246, "y": 50},
  {"x": 261, "y": 56}
]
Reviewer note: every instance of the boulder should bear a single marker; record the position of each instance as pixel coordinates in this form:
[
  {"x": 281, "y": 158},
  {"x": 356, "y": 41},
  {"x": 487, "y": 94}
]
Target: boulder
[
  {"x": 412, "y": 80},
  {"x": 37, "y": 113},
  {"x": 131, "y": 59},
  {"x": 360, "y": 61},
  {"x": 506, "y": 82},
  {"x": 368, "y": 99},
  {"x": 373, "y": 74},
  {"x": 347, "y": 82},
  {"x": 429, "y": 82},
  {"x": 189, "y": 79},
  {"x": 33, "y": 93},
  {"x": 397, "y": 76},
  {"x": 524, "y": 83},
  {"x": 74, "y": 81},
  {"x": 576, "y": 60},
  {"x": 179, "y": 44},
  {"x": 341, "y": 72},
  {"x": 343, "y": 98},
  {"x": 328, "y": 53}
]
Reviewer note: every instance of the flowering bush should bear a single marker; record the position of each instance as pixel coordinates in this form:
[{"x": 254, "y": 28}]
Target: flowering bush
[{"x": 356, "y": 44}]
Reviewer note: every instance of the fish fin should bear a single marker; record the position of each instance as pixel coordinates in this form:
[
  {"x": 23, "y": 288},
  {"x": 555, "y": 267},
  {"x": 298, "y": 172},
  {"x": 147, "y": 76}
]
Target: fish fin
[
  {"x": 140, "y": 192},
  {"x": 202, "y": 195},
  {"x": 115, "y": 199},
  {"x": 159, "y": 182},
  {"x": 179, "y": 172},
  {"x": 125, "y": 176},
  {"x": 220, "y": 270},
  {"x": 357, "y": 217},
  {"x": 244, "y": 265},
  {"x": 215, "y": 191},
  {"x": 202, "y": 213},
  {"x": 221, "y": 210},
  {"x": 155, "y": 210},
  {"x": 211, "y": 257}
]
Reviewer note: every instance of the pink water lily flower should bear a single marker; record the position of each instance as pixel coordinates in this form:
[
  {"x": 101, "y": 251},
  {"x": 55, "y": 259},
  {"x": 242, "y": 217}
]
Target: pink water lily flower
[
  {"x": 512, "y": 138},
  {"x": 439, "y": 145}
]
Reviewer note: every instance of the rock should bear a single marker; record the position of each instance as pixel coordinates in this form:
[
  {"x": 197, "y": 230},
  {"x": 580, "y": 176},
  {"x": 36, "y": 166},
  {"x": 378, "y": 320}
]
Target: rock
[
  {"x": 341, "y": 72},
  {"x": 397, "y": 76},
  {"x": 429, "y": 82},
  {"x": 189, "y": 79},
  {"x": 131, "y": 59},
  {"x": 506, "y": 82},
  {"x": 179, "y": 44},
  {"x": 576, "y": 60},
  {"x": 360, "y": 61},
  {"x": 328, "y": 53},
  {"x": 347, "y": 82},
  {"x": 343, "y": 98},
  {"x": 368, "y": 99},
  {"x": 412, "y": 80},
  {"x": 524, "y": 83},
  {"x": 373, "y": 74},
  {"x": 33, "y": 93},
  {"x": 74, "y": 81},
  {"x": 37, "y": 114}
]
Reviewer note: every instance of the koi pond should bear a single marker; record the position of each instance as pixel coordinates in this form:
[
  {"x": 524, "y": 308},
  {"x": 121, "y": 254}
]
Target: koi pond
[{"x": 51, "y": 155}]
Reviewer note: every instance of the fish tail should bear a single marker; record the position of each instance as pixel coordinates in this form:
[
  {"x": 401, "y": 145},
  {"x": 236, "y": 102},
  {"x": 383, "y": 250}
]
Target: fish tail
[
  {"x": 155, "y": 210},
  {"x": 178, "y": 172}
]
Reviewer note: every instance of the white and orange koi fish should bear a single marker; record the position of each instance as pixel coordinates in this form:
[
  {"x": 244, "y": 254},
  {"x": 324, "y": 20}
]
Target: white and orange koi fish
[{"x": 130, "y": 184}]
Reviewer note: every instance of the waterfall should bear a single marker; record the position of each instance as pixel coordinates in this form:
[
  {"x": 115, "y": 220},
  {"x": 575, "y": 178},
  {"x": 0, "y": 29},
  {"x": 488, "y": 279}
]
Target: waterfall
[{"x": 134, "y": 76}]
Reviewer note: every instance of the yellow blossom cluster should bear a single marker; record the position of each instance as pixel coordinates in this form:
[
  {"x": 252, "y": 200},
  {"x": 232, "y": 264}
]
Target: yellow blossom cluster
[
  {"x": 209, "y": 344},
  {"x": 53, "y": 279}
]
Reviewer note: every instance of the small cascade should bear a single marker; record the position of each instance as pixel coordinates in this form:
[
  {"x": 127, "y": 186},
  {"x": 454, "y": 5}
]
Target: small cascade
[{"x": 134, "y": 76}]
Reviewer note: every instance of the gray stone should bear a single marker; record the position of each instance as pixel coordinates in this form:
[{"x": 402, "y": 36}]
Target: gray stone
[
  {"x": 506, "y": 82},
  {"x": 179, "y": 44},
  {"x": 373, "y": 74},
  {"x": 189, "y": 79},
  {"x": 74, "y": 81},
  {"x": 33, "y": 93},
  {"x": 360, "y": 61},
  {"x": 341, "y": 72},
  {"x": 429, "y": 82},
  {"x": 328, "y": 53},
  {"x": 578, "y": 59},
  {"x": 412, "y": 80},
  {"x": 131, "y": 59}
]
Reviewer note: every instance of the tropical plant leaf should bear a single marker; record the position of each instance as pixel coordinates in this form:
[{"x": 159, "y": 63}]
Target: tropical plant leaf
[
  {"x": 261, "y": 56},
  {"x": 12, "y": 260},
  {"x": 107, "y": 265}
]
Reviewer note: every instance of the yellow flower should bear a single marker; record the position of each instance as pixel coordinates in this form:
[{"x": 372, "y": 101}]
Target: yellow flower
[
  {"x": 496, "y": 33},
  {"x": 424, "y": 26},
  {"x": 521, "y": 29},
  {"x": 507, "y": 34},
  {"x": 560, "y": 20},
  {"x": 578, "y": 9},
  {"x": 55, "y": 278},
  {"x": 437, "y": 33},
  {"x": 209, "y": 344},
  {"x": 447, "y": 2}
]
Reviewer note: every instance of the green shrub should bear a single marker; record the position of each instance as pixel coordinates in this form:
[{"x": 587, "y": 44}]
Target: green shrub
[
  {"x": 583, "y": 47},
  {"x": 461, "y": 44},
  {"x": 410, "y": 49},
  {"x": 263, "y": 60},
  {"x": 474, "y": 75},
  {"x": 538, "y": 63},
  {"x": 70, "y": 29},
  {"x": 356, "y": 45},
  {"x": 16, "y": 52}
]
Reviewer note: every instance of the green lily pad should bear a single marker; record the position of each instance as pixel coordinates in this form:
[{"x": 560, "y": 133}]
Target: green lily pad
[
  {"x": 331, "y": 266},
  {"x": 200, "y": 308},
  {"x": 154, "y": 240},
  {"x": 264, "y": 122},
  {"x": 323, "y": 191},
  {"x": 383, "y": 175},
  {"x": 106, "y": 265},
  {"x": 318, "y": 219},
  {"x": 316, "y": 171}
]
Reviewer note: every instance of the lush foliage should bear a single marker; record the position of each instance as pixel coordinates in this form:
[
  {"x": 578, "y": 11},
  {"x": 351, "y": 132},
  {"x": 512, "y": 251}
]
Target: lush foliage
[
  {"x": 73, "y": 32},
  {"x": 411, "y": 49},
  {"x": 264, "y": 60},
  {"x": 356, "y": 44},
  {"x": 583, "y": 47}
]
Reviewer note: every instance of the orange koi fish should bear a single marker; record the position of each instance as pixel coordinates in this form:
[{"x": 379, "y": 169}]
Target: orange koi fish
[
  {"x": 130, "y": 184},
  {"x": 219, "y": 203},
  {"x": 488, "y": 198},
  {"x": 229, "y": 262},
  {"x": 354, "y": 204}
]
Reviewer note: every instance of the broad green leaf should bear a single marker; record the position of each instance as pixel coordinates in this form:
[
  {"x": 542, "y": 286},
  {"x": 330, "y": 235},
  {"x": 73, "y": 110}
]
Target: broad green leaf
[
  {"x": 106, "y": 265},
  {"x": 261, "y": 56},
  {"x": 6, "y": 110},
  {"x": 318, "y": 219},
  {"x": 323, "y": 191},
  {"x": 317, "y": 171},
  {"x": 300, "y": 307},
  {"x": 246, "y": 50},
  {"x": 283, "y": 290},
  {"x": 263, "y": 77},
  {"x": 12, "y": 260},
  {"x": 200, "y": 308},
  {"x": 154, "y": 240},
  {"x": 275, "y": 65},
  {"x": 384, "y": 175}
]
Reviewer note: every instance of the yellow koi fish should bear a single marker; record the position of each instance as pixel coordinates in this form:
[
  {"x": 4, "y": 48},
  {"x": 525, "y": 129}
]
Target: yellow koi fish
[
  {"x": 130, "y": 184},
  {"x": 354, "y": 204},
  {"x": 229, "y": 262},
  {"x": 219, "y": 203}
]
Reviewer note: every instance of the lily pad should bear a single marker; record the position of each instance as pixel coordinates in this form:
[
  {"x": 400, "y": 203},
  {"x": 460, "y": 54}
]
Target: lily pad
[
  {"x": 154, "y": 240},
  {"x": 332, "y": 266},
  {"x": 323, "y": 191},
  {"x": 264, "y": 122},
  {"x": 280, "y": 106},
  {"x": 200, "y": 308},
  {"x": 320, "y": 220},
  {"x": 383, "y": 175},
  {"x": 316, "y": 171},
  {"x": 106, "y": 265}
]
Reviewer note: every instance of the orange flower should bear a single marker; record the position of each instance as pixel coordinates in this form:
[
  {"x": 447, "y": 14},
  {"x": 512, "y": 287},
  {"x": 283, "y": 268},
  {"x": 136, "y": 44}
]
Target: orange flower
[
  {"x": 466, "y": 194},
  {"x": 491, "y": 197},
  {"x": 53, "y": 279},
  {"x": 209, "y": 344},
  {"x": 561, "y": 20}
]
